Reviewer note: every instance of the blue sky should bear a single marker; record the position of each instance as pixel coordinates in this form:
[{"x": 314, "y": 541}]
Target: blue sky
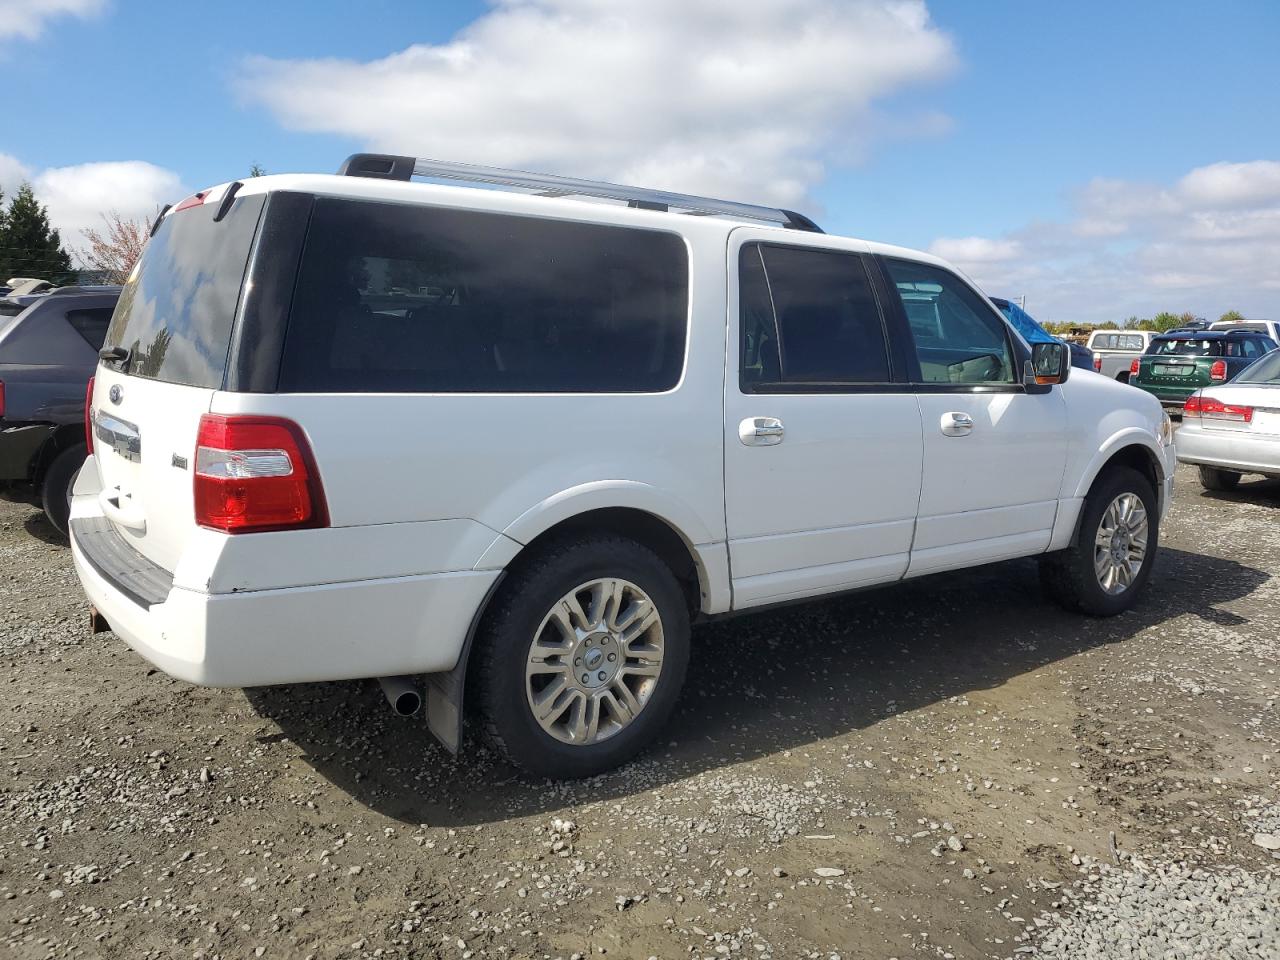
[{"x": 986, "y": 139}]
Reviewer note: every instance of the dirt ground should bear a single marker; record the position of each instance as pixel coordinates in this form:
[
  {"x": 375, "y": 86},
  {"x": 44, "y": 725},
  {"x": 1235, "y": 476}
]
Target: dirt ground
[{"x": 930, "y": 770}]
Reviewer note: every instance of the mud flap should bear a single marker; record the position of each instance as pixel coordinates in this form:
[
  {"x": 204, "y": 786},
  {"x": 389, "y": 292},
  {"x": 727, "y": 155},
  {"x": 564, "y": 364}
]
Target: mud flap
[{"x": 446, "y": 691}]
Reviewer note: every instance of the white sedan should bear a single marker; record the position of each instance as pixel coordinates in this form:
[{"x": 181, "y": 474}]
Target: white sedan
[{"x": 1234, "y": 428}]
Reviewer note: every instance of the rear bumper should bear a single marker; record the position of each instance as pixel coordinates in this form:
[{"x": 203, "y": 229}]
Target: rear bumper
[
  {"x": 333, "y": 631},
  {"x": 1229, "y": 449}
]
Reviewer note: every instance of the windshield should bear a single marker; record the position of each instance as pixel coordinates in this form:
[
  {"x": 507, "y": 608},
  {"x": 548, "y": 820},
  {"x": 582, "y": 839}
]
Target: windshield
[
  {"x": 175, "y": 313},
  {"x": 1186, "y": 348},
  {"x": 1266, "y": 370}
]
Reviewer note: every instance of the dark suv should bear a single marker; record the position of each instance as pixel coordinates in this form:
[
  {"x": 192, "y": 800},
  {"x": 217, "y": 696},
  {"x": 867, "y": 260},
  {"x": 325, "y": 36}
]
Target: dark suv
[
  {"x": 47, "y": 355},
  {"x": 1179, "y": 363}
]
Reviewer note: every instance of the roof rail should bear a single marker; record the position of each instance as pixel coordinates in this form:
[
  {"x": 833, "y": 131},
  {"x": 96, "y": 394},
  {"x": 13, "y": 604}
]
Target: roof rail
[{"x": 388, "y": 167}]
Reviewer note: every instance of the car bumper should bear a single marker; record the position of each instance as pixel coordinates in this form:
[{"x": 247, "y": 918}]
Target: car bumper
[
  {"x": 332, "y": 631},
  {"x": 1237, "y": 450}
]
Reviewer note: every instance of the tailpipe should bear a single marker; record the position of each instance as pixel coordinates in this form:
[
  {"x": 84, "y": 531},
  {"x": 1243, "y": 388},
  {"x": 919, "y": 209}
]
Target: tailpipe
[{"x": 403, "y": 695}]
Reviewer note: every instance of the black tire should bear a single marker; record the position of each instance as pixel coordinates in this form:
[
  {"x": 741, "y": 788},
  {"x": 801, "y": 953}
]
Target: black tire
[
  {"x": 55, "y": 491},
  {"x": 1068, "y": 576},
  {"x": 508, "y": 630},
  {"x": 1211, "y": 478}
]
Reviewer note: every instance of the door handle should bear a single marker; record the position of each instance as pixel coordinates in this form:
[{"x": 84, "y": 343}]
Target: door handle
[
  {"x": 956, "y": 424},
  {"x": 760, "y": 431}
]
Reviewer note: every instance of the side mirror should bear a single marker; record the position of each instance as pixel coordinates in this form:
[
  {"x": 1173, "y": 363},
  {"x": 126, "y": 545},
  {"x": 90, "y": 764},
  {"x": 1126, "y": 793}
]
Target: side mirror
[{"x": 1050, "y": 363}]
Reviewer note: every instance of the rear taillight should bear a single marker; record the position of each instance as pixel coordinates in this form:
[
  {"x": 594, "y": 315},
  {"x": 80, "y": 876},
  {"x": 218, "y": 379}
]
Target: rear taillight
[
  {"x": 1218, "y": 371},
  {"x": 1133, "y": 367},
  {"x": 88, "y": 416},
  {"x": 1097, "y": 364},
  {"x": 255, "y": 474},
  {"x": 1211, "y": 408}
]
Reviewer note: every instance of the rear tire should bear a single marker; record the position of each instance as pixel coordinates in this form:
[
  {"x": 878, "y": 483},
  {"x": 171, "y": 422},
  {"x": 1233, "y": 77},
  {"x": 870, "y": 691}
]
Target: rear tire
[
  {"x": 1104, "y": 571},
  {"x": 594, "y": 630},
  {"x": 1211, "y": 478},
  {"x": 55, "y": 492}
]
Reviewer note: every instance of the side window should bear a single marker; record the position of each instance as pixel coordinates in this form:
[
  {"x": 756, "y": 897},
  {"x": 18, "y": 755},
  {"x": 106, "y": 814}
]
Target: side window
[
  {"x": 809, "y": 316},
  {"x": 959, "y": 339},
  {"x": 91, "y": 324},
  {"x": 399, "y": 298}
]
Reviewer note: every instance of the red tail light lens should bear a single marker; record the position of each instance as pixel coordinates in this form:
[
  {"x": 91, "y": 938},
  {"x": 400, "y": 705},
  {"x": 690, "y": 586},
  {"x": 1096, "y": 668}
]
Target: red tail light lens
[
  {"x": 1133, "y": 367},
  {"x": 88, "y": 416},
  {"x": 1218, "y": 371},
  {"x": 1211, "y": 408},
  {"x": 1097, "y": 364},
  {"x": 254, "y": 474}
]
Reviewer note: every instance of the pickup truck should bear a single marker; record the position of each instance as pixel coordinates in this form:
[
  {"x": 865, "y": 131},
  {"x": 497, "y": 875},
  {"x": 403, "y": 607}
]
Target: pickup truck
[{"x": 1115, "y": 350}]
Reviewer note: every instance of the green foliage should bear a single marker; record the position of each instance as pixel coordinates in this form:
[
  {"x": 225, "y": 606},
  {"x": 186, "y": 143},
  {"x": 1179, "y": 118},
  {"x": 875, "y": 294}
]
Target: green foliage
[
  {"x": 1164, "y": 320},
  {"x": 1231, "y": 316},
  {"x": 257, "y": 170},
  {"x": 29, "y": 245}
]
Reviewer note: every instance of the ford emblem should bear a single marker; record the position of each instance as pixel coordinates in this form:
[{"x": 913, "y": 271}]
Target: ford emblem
[{"x": 116, "y": 393}]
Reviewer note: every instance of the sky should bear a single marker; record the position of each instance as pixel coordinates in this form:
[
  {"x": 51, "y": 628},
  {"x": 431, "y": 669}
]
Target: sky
[{"x": 1100, "y": 159}]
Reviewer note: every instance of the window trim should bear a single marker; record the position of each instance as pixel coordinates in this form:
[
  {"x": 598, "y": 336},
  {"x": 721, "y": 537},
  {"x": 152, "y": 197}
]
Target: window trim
[{"x": 897, "y": 382}]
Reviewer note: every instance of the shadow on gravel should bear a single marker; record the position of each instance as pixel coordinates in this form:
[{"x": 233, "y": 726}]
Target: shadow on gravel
[
  {"x": 1261, "y": 493},
  {"x": 757, "y": 685},
  {"x": 38, "y": 526}
]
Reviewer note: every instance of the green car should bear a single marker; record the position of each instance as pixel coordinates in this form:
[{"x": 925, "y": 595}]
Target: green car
[{"x": 1179, "y": 363}]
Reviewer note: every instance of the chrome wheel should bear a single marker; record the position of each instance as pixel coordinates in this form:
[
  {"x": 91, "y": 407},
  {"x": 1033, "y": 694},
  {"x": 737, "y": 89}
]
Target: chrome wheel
[
  {"x": 595, "y": 661},
  {"x": 1120, "y": 546}
]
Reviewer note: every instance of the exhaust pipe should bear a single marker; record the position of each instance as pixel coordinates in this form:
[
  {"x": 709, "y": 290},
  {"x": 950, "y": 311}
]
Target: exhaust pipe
[{"x": 402, "y": 693}]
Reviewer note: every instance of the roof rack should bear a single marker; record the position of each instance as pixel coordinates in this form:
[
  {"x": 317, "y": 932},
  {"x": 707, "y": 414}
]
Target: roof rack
[{"x": 388, "y": 167}]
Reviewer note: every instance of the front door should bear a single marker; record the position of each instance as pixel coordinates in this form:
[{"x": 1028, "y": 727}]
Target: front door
[
  {"x": 994, "y": 454},
  {"x": 822, "y": 432}
]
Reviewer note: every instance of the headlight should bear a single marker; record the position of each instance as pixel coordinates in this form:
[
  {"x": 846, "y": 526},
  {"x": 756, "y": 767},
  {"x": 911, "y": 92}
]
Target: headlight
[{"x": 1166, "y": 429}]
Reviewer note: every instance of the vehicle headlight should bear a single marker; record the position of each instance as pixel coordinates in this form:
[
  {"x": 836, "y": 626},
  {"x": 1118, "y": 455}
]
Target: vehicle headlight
[{"x": 1166, "y": 429}]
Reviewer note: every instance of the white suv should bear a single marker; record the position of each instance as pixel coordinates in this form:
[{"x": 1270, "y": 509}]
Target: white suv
[{"x": 515, "y": 444}]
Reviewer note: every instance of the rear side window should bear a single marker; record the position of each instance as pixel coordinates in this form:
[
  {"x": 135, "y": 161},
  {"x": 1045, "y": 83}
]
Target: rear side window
[
  {"x": 176, "y": 311},
  {"x": 91, "y": 324},
  {"x": 958, "y": 338},
  {"x": 394, "y": 298},
  {"x": 808, "y": 316}
]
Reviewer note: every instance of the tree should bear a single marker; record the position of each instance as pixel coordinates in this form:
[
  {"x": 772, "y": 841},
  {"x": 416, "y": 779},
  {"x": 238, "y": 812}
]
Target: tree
[
  {"x": 257, "y": 170},
  {"x": 1231, "y": 316},
  {"x": 115, "y": 249},
  {"x": 5, "y": 272},
  {"x": 1164, "y": 320},
  {"x": 32, "y": 247}
]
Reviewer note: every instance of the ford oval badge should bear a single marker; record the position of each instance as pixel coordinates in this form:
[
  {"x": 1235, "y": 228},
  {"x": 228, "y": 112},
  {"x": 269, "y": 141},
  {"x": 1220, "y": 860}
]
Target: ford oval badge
[{"x": 116, "y": 393}]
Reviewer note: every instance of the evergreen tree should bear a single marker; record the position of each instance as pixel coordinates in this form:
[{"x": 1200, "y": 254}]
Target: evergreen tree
[
  {"x": 5, "y": 272},
  {"x": 31, "y": 247}
]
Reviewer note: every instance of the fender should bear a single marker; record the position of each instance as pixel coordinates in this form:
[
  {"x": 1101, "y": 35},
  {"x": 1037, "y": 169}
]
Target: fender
[{"x": 1128, "y": 437}]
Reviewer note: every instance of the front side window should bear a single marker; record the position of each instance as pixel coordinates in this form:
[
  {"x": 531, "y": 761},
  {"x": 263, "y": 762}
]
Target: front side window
[
  {"x": 395, "y": 298},
  {"x": 958, "y": 338},
  {"x": 808, "y": 316}
]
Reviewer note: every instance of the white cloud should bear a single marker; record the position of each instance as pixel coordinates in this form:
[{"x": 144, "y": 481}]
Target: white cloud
[
  {"x": 26, "y": 19},
  {"x": 747, "y": 100},
  {"x": 1206, "y": 243},
  {"x": 12, "y": 173},
  {"x": 77, "y": 196}
]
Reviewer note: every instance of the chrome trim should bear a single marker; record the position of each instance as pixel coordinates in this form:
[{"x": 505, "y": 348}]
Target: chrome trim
[{"x": 120, "y": 435}]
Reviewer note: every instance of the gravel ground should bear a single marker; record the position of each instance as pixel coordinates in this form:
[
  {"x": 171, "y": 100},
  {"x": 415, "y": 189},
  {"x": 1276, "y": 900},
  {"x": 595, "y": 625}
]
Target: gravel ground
[{"x": 949, "y": 768}]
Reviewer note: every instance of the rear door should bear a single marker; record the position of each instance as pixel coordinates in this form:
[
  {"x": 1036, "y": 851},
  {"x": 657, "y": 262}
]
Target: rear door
[
  {"x": 993, "y": 454},
  {"x": 822, "y": 433},
  {"x": 172, "y": 327}
]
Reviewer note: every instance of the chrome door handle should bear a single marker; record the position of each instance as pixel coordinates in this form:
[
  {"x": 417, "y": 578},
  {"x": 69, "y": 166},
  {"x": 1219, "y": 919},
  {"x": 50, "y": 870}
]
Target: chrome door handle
[
  {"x": 956, "y": 424},
  {"x": 760, "y": 431}
]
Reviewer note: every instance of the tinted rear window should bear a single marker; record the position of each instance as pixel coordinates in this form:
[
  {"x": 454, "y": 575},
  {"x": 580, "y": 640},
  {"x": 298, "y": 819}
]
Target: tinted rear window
[
  {"x": 91, "y": 324},
  {"x": 1192, "y": 347},
  {"x": 176, "y": 311},
  {"x": 395, "y": 298}
]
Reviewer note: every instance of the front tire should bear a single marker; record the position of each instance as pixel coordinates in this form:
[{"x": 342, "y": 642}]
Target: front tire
[
  {"x": 1211, "y": 478},
  {"x": 581, "y": 658},
  {"x": 55, "y": 491},
  {"x": 1103, "y": 572}
]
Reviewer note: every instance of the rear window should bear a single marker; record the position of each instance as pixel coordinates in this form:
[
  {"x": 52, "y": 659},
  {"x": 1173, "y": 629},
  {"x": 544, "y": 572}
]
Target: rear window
[
  {"x": 394, "y": 298},
  {"x": 175, "y": 313},
  {"x": 1191, "y": 347},
  {"x": 91, "y": 324}
]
